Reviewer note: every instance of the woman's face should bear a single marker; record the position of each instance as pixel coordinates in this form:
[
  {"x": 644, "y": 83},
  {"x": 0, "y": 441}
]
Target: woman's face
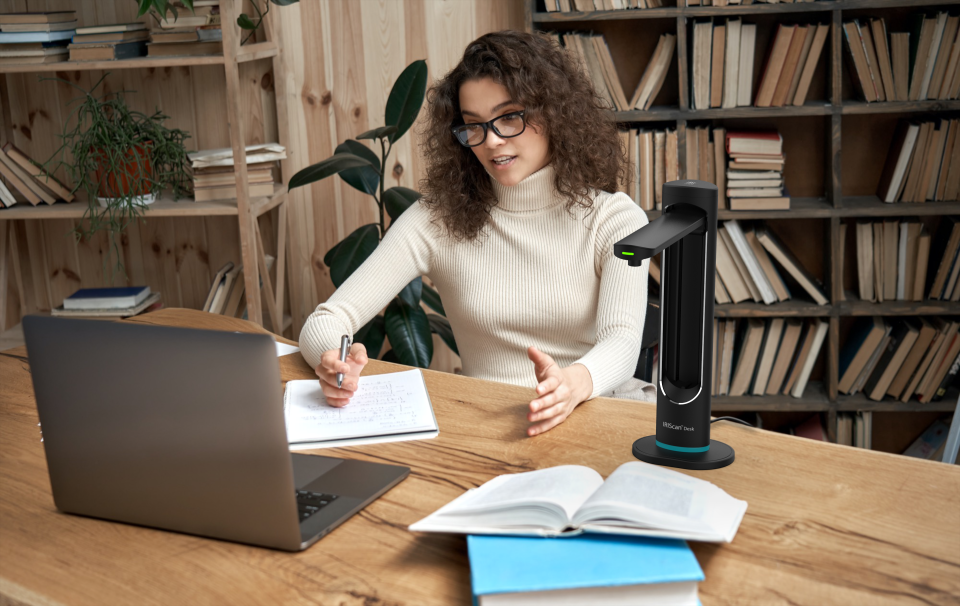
[{"x": 511, "y": 160}]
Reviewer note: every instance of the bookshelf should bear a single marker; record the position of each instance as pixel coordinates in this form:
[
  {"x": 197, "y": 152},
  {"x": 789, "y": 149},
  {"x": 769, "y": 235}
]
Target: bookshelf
[
  {"x": 832, "y": 174},
  {"x": 246, "y": 209}
]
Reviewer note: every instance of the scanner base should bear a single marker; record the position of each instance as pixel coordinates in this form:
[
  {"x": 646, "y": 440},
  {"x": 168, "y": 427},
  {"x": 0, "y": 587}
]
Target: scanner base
[{"x": 719, "y": 455}]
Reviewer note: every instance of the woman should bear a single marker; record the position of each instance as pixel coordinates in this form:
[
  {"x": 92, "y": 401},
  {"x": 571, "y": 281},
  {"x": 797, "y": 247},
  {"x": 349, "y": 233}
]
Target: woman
[{"x": 516, "y": 231}]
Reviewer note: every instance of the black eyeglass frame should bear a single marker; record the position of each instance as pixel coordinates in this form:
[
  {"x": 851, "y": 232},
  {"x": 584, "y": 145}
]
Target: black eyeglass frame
[{"x": 487, "y": 126}]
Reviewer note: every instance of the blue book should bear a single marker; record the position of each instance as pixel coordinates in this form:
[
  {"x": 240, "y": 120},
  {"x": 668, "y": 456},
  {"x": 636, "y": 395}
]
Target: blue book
[
  {"x": 107, "y": 298},
  {"x": 11, "y": 37},
  {"x": 586, "y": 569}
]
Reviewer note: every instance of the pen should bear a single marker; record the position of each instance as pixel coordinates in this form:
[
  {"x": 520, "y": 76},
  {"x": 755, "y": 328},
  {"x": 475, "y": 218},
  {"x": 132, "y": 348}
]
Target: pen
[{"x": 344, "y": 347}]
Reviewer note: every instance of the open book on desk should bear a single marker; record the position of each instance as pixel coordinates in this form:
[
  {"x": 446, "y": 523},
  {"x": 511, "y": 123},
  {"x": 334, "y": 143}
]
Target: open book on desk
[
  {"x": 385, "y": 408},
  {"x": 637, "y": 499}
]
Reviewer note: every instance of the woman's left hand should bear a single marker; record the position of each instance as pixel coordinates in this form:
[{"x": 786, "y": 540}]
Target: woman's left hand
[{"x": 559, "y": 391}]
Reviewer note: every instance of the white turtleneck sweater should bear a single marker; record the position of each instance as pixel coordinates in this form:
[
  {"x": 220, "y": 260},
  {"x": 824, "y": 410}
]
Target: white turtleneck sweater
[{"x": 538, "y": 275}]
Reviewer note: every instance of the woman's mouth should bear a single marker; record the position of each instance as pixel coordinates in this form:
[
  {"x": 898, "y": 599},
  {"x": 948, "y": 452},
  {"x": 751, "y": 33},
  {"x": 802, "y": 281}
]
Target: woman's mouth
[{"x": 503, "y": 161}]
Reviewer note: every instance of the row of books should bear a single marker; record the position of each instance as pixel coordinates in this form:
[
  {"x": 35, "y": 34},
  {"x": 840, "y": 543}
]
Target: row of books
[
  {"x": 856, "y": 429},
  {"x": 587, "y": 6},
  {"x": 900, "y": 358},
  {"x": 214, "y": 176},
  {"x": 227, "y": 294},
  {"x": 36, "y": 38},
  {"x": 23, "y": 180},
  {"x": 765, "y": 357},
  {"x": 932, "y": 442},
  {"x": 747, "y": 261},
  {"x": 595, "y": 59},
  {"x": 790, "y": 65},
  {"x": 893, "y": 260},
  {"x": 923, "y": 163},
  {"x": 652, "y": 160},
  {"x": 881, "y": 62}
]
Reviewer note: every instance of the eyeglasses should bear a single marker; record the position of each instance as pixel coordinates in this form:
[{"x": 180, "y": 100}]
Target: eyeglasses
[{"x": 506, "y": 126}]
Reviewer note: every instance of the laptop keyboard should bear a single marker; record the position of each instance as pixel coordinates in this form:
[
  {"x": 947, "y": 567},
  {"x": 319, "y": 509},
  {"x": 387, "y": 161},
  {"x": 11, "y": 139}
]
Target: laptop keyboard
[{"x": 309, "y": 503}]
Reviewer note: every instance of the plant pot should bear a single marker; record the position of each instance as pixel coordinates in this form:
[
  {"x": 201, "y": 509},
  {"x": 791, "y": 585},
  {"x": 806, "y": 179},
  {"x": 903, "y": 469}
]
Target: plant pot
[{"x": 135, "y": 180}]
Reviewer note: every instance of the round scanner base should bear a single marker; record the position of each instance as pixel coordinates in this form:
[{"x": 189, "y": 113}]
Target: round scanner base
[{"x": 719, "y": 455}]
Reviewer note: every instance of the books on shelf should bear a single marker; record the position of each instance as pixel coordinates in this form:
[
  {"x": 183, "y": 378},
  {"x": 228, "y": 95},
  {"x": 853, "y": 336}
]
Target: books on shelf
[
  {"x": 654, "y": 74},
  {"x": 37, "y": 18},
  {"x": 566, "y": 6},
  {"x": 107, "y": 51},
  {"x": 106, "y": 298},
  {"x": 214, "y": 177},
  {"x": 754, "y": 173},
  {"x": 588, "y": 569},
  {"x": 573, "y": 499},
  {"x": 855, "y": 429},
  {"x": 923, "y": 162},
  {"x": 184, "y": 49},
  {"x": 27, "y": 179},
  {"x": 651, "y": 161},
  {"x": 35, "y": 38},
  {"x": 931, "y": 443}
]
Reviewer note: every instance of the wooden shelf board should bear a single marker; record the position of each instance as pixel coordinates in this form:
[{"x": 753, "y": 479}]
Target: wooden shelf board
[
  {"x": 262, "y": 205},
  {"x": 861, "y": 402},
  {"x": 759, "y": 9},
  {"x": 897, "y": 308},
  {"x": 137, "y": 63},
  {"x": 848, "y": 5},
  {"x": 666, "y": 12},
  {"x": 814, "y": 398},
  {"x": 260, "y": 50},
  {"x": 851, "y": 107},
  {"x": 800, "y": 208},
  {"x": 672, "y": 113},
  {"x": 871, "y": 206},
  {"x": 795, "y": 309}
]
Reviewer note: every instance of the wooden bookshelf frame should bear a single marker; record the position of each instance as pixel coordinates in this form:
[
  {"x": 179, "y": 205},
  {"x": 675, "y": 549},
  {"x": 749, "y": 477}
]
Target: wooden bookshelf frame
[{"x": 832, "y": 206}]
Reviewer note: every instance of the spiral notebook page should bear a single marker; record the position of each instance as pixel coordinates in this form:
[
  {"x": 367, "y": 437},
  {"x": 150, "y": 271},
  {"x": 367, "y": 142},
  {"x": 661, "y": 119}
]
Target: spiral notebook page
[{"x": 385, "y": 408}]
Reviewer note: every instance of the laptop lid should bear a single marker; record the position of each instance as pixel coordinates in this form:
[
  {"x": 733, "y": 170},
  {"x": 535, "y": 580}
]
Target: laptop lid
[{"x": 173, "y": 428}]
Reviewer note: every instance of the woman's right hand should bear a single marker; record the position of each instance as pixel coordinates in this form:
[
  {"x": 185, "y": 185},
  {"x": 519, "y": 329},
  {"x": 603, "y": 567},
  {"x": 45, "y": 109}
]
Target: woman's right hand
[{"x": 330, "y": 365}]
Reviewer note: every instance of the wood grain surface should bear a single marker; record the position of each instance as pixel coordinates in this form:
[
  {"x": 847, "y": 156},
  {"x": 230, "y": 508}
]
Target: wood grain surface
[{"x": 826, "y": 524}]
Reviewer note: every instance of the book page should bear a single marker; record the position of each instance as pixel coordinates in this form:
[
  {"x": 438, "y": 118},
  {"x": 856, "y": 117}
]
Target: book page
[{"x": 383, "y": 405}]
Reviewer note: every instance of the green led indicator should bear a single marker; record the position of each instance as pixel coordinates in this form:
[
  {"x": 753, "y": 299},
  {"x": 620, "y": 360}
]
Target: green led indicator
[{"x": 628, "y": 254}]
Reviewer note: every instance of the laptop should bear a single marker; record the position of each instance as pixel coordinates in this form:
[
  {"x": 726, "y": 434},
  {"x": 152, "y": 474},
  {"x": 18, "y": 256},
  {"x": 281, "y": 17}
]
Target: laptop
[{"x": 183, "y": 430}]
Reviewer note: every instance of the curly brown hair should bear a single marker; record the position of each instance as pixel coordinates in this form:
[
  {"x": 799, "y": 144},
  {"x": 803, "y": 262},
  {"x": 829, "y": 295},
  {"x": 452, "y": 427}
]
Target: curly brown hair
[{"x": 557, "y": 97}]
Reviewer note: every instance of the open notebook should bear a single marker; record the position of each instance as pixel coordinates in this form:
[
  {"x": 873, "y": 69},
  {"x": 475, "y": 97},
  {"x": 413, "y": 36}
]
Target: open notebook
[{"x": 385, "y": 408}]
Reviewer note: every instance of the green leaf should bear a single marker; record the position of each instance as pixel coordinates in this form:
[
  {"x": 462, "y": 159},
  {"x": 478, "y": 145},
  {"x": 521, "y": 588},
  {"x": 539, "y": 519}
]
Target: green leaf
[
  {"x": 432, "y": 299},
  {"x": 411, "y": 293},
  {"x": 441, "y": 326},
  {"x": 364, "y": 178},
  {"x": 378, "y": 133},
  {"x": 321, "y": 170},
  {"x": 245, "y": 22},
  {"x": 399, "y": 199},
  {"x": 284, "y": 2},
  {"x": 162, "y": 7},
  {"x": 188, "y": 4},
  {"x": 409, "y": 333},
  {"x": 406, "y": 97},
  {"x": 371, "y": 335},
  {"x": 144, "y": 7},
  {"x": 344, "y": 258}
]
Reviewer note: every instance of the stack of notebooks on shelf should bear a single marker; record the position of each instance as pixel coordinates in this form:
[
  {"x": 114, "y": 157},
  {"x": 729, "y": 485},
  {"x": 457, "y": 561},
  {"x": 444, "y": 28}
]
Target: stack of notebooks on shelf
[
  {"x": 881, "y": 68},
  {"x": 747, "y": 260},
  {"x": 109, "y": 302},
  {"x": 765, "y": 357},
  {"x": 109, "y": 42},
  {"x": 721, "y": 63},
  {"x": 893, "y": 260},
  {"x": 900, "y": 358},
  {"x": 23, "y": 180},
  {"x": 189, "y": 33},
  {"x": 651, "y": 161},
  {"x": 791, "y": 63},
  {"x": 755, "y": 171},
  {"x": 923, "y": 163},
  {"x": 586, "y": 6},
  {"x": 35, "y": 38},
  {"x": 594, "y": 56},
  {"x": 214, "y": 177},
  {"x": 706, "y": 158}
]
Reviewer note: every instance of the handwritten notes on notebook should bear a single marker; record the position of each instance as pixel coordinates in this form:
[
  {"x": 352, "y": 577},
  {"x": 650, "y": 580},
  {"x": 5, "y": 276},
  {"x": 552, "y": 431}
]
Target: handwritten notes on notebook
[{"x": 385, "y": 408}]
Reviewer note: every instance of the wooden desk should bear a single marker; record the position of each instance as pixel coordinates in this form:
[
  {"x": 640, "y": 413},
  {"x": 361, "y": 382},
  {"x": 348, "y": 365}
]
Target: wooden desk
[{"x": 826, "y": 524}]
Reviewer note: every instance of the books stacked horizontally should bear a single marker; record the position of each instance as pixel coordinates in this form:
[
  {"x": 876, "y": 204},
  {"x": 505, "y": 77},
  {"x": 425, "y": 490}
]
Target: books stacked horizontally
[
  {"x": 880, "y": 63},
  {"x": 652, "y": 161},
  {"x": 706, "y": 158},
  {"x": 923, "y": 162},
  {"x": 23, "y": 180},
  {"x": 765, "y": 357},
  {"x": 587, "y": 6},
  {"x": 893, "y": 260},
  {"x": 188, "y": 33},
  {"x": 755, "y": 171},
  {"x": 597, "y": 63},
  {"x": 109, "y": 42},
  {"x": 214, "y": 177},
  {"x": 747, "y": 261},
  {"x": 35, "y": 38},
  {"x": 109, "y": 302},
  {"x": 791, "y": 63},
  {"x": 899, "y": 358}
]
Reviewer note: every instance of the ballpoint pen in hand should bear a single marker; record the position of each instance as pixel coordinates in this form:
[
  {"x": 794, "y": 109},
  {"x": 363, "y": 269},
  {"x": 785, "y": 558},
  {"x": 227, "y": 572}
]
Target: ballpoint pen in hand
[{"x": 344, "y": 348}]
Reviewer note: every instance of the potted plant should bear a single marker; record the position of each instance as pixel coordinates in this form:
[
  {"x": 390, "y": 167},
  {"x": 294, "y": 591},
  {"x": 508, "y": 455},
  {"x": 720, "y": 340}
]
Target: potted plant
[
  {"x": 159, "y": 9},
  {"x": 407, "y": 325},
  {"x": 122, "y": 159}
]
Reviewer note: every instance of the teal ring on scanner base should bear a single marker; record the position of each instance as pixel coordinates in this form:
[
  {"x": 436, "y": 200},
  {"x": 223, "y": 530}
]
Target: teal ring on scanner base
[
  {"x": 682, "y": 448},
  {"x": 719, "y": 455}
]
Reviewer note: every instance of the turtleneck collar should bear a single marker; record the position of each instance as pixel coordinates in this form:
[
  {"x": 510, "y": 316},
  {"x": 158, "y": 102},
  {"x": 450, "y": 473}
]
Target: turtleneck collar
[{"x": 534, "y": 193}]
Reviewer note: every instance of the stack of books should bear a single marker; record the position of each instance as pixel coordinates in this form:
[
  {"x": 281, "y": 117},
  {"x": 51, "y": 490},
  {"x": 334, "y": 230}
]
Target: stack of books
[
  {"x": 109, "y": 302},
  {"x": 592, "y": 52},
  {"x": 35, "y": 38},
  {"x": 900, "y": 358},
  {"x": 586, "y": 6},
  {"x": 214, "y": 177},
  {"x": 109, "y": 42},
  {"x": 189, "y": 33},
  {"x": 893, "y": 260},
  {"x": 791, "y": 63},
  {"x": 25, "y": 180},
  {"x": 755, "y": 171},
  {"x": 652, "y": 160},
  {"x": 881, "y": 68},
  {"x": 765, "y": 357},
  {"x": 923, "y": 162}
]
